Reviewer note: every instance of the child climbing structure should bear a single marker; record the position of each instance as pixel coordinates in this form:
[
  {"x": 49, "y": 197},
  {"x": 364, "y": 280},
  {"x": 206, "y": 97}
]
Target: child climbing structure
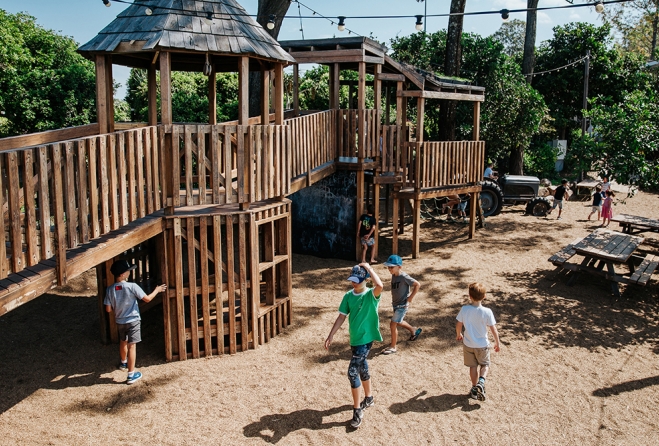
[{"x": 203, "y": 207}]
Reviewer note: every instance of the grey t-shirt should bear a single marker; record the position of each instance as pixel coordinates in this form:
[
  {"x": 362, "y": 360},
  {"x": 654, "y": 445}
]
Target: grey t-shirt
[
  {"x": 123, "y": 297},
  {"x": 400, "y": 288}
]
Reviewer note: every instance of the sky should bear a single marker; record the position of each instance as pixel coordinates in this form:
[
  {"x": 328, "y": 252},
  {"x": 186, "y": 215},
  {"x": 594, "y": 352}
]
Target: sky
[{"x": 83, "y": 19}]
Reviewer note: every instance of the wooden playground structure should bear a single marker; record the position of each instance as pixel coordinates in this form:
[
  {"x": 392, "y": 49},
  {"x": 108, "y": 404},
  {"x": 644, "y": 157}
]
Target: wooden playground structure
[{"x": 203, "y": 206}]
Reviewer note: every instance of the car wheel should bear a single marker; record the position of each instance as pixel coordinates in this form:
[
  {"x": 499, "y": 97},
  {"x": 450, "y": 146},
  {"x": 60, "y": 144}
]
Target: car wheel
[
  {"x": 538, "y": 207},
  {"x": 491, "y": 198}
]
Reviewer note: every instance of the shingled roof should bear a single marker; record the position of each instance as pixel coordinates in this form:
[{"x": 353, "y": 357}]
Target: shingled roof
[{"x": 190, "y": 26}]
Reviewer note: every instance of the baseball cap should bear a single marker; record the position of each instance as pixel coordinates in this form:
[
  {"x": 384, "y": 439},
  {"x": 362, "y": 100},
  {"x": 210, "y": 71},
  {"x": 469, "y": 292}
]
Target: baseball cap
[
  {"x": 393, "y": 260},
  {"x": 358, "y": 274},
  {"x": 121, "y": 266}
]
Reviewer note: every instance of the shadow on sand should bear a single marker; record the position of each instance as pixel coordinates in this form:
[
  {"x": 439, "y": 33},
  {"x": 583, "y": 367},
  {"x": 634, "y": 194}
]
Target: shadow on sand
[{"x": 439, "y": 403}]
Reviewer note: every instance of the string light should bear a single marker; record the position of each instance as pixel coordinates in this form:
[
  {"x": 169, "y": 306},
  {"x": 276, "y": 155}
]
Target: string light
[
  {"x": 148, "y": 11},
  {"x": 299, "y": 12},
  {"x": 342, "y": 23},
  {"x": 505, "y": 14},
  {"x": 599, "y": 6},
  {"x": 271, "y": 22},
  {"x": 419, "y": 23},
  {"x": 571, "y": 64},
  {"x": 107, "y": 3}
]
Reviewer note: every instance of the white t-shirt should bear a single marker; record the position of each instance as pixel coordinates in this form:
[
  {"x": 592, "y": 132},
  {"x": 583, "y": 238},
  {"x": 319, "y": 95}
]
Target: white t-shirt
[{"x": 476, "y": 320}]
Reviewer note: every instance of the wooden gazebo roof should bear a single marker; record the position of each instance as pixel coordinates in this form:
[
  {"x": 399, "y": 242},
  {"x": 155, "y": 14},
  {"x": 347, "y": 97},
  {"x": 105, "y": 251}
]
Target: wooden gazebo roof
[{"x": 216, "y": 27}]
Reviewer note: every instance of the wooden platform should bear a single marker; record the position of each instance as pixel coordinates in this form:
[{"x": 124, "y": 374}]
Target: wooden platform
[{"x": 31, "y": 282}]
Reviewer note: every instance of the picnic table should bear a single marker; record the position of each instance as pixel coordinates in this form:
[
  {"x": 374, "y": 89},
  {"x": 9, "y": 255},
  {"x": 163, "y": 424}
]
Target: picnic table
[
  {"x": 604, "y": 250},
  {"x": 634, "y": 224}
]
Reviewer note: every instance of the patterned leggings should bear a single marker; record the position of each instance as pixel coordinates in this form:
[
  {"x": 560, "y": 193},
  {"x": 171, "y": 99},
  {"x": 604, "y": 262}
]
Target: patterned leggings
[{"x": 358, "y": 367}]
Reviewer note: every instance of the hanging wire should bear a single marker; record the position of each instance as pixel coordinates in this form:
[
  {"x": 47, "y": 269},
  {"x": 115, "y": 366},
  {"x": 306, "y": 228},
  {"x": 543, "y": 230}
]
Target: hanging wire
[
  {"x": 317, "y": 15},
  {"x": 299, "y": 11},
  {"x": 571, "y": 64}
]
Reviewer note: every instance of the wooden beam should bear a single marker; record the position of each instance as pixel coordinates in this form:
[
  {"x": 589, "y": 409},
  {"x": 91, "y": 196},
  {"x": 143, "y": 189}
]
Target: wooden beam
[
  {"x": 357, "y": 54},
  {"x": 296, "y": 90},
  {"x": 420, "y": 112},
  {"x": 279, "y": 94},
  {"x": 334, "y": 87},
  {"x": 442, "y": 95},
  {"x": 473, "y": 204},
  {"x": 391, "y": 77},
  {"x": 110, "y": 93},
  {"x": 416, "y": 232},
  {"x": 165, "y": 88},
  {"x": 153, "y": 95},
  {"x": 243, "y": 90},
  {"x": 41, "y": 138},
  {"x": 377, "y": 87},
  {"x": 475, "y": 135},
  {"x": 101, "y": 94},
  {"x": 265, "y": 96},
  {"x": 212, "y": 98}
]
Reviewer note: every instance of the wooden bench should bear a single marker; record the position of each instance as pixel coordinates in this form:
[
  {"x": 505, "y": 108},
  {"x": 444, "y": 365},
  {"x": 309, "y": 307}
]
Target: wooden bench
[
  {"x": 634, "y": 224},
  {"x": 643, "y": 272},
  {"x": 564, "y": 254}
]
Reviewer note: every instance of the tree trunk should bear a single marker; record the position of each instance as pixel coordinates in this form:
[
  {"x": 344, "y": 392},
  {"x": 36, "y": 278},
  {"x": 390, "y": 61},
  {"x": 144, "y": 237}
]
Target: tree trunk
[
  {"x": 517, "y": 161},
  {"x": 452, "y": 61},
  {"x": 655, "y": 25},
  {"x": 278, "y": 8},
  {"x": 528, "y": 63}
]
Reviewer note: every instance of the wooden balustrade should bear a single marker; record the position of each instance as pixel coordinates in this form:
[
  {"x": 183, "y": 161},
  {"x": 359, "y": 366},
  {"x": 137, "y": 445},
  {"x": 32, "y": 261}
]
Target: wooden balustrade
[
  {"x": 391, "y": 159},
  {"x": 440, "y": 164},
  {"x": 58, "y": 196},
  {"x": 313, "y": 141},
  {"x": 349, "y": 133},
  {"x": 219, "y": 164}
]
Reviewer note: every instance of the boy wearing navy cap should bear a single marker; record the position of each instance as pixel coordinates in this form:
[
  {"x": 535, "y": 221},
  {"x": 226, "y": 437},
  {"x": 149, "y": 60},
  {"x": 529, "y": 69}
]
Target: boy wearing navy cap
[
  {"x": 403, "y": 290},
  {"x": 360, "y": 305},
  {"x": 121, "y": 297}
]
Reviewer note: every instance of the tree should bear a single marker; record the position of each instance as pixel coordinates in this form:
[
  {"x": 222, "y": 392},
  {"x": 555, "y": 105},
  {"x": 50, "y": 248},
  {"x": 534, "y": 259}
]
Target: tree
[
  {"x": 452, "y": 59},
  {"x": 528, "y": 61},
  {"x": 44, "y": 83},
  {"x": 637, "y": 23},
  {"x": 511, "y": 35}
]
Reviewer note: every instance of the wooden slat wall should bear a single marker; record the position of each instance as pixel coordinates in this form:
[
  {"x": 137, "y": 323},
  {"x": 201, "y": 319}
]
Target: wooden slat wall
[
  {"x": 59, "y": 196},
  {"x": 390, "y": 159},
  {"x": 440, "y": 164},
  {"x": 313, "y": 141},
  {"x": 348, "y": 133}
]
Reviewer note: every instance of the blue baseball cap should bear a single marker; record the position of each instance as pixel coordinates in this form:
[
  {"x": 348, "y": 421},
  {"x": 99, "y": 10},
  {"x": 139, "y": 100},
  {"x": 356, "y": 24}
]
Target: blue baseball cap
[
  {"x": 393, "y": 260},
  {"x": 358, "y": 274}
]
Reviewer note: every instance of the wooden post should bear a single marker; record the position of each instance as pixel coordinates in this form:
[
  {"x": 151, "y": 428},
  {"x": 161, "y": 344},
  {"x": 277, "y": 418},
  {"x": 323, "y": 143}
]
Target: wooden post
[
  {"x": 394, "y": 221},
  {"x": 165, "y": 89},
  {"x": 101, "y": 94},
  {"x": 212, "y": 98},
  {"x": 417, "y": 222},
  {"x": 377, "y": 87},
  {"x": 335, "y": 86},
  {"x": 477, "y": 121},
  {"x": 376, "y": 204},
  {"x": 110, "y": 93},
  {"x": 265, "y": 96},
  {"x": 152, "y": 93},
  {"x": 243, "y": 90},
  {"x": 296, "y": 88},
  {"x": 279, "y": 94},
  {"x": 387, "y": 105},
  {"x": 420, "y": 111},
  {"x": 473, "y": 203}
]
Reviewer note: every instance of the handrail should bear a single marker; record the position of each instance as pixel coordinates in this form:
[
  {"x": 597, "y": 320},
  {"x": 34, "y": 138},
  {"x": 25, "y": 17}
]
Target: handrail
[{"x": 50, "y": 136}]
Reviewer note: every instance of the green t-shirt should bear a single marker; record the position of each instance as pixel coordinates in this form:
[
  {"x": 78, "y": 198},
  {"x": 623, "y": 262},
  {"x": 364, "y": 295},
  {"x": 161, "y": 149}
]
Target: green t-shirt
[{"x": 362, "y": 312}]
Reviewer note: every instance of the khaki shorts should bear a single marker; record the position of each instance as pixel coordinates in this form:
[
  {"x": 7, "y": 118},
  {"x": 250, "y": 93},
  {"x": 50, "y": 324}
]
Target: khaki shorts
[{"x": 476, "y": 356}]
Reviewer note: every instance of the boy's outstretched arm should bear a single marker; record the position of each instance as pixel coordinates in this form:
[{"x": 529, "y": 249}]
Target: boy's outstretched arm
[
  {"x": 495, "y": 333},
  {"x": 377, "y": 291},
  {"x": 458, "y": 331},
  {"x": 158, "y": 289},
  {"x": 335, "y": 327}
]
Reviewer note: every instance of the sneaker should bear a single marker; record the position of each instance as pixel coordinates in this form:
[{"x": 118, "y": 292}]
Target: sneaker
[
  {"x": 480, "y": 391},
  {"x": 416, "y": 334},
  {"x": 367, "y": 402},
  {"x": 558, "y": 218},
  {"x": 357, "y": 418},
  {"x": 473, "y": 394},
  {"x": 123, "y": 366},
  {"x": 136, "y": 377}
]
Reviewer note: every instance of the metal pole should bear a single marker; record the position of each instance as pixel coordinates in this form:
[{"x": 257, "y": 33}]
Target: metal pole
[
  {"x": 585, "y": 93},
  {"x": 425, "y": 15}
]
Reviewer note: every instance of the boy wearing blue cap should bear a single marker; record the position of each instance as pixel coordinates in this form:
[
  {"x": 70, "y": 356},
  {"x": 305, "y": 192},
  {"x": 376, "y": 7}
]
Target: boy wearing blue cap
[
  {"x": 360, "y": 305},
  {"x": 122, "y": 297},
  {"x": 403, "y": 290}
]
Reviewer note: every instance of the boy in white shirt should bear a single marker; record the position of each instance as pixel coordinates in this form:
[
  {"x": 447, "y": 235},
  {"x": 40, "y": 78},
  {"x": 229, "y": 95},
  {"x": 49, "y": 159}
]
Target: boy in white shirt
[{"x": 476, "y": 319}]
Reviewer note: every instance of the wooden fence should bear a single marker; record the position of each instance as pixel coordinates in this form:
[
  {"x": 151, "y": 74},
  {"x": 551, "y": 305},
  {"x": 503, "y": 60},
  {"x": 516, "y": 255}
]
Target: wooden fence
[
  {"x": 354, "y": 141},
  {"x": 441, "y": 164},
  {"x": 313, "y": 141},
  {"x": 58, "y": 196},
  {"x": 219, "y": 164},
  {"x": 391, "y": 159}
]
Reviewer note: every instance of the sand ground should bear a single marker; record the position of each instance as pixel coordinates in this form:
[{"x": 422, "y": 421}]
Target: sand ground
[{"x": 577, "y": 365}]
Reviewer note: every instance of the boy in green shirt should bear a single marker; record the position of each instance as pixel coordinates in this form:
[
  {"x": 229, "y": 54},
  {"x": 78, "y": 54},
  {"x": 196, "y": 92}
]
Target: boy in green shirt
[{"x": 360, "y": 305}]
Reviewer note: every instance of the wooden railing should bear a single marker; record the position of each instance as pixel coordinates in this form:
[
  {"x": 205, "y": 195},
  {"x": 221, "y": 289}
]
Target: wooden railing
[
  {"x": 440, "y": 164},
  {"x": 391, "y": 159},
  {"x": 354, "y": 141},
  {"x": 313, "y": 141},
  {"x": 58, "y": 196},
  {"x": 221, "y": 164}
]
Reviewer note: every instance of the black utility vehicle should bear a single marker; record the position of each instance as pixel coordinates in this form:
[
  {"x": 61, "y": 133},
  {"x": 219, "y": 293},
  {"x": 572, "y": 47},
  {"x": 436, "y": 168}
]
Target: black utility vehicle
[{"x": 509, "y": 190}]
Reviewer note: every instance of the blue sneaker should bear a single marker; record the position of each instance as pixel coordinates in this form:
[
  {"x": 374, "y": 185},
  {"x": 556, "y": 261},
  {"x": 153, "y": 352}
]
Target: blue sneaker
[
  {"x": 136, "y": 377},
  {"x": 123, "y": 366}
]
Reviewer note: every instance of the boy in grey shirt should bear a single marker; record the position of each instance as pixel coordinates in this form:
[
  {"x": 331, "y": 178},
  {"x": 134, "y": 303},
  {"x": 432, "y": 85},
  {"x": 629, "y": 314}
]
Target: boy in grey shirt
[
  {"x": 401, "y": 298},
  {"x": 122, "y": 298}
]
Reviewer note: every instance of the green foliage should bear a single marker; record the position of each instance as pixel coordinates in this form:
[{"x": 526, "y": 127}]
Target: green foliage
[
  {"x": 511, "y": 35},
  {"x": 540, "y": 160},
  {"x": 44, "y": 83},
  {"x": 189, "y": 96},
  {"x": 625, "y": 145}
]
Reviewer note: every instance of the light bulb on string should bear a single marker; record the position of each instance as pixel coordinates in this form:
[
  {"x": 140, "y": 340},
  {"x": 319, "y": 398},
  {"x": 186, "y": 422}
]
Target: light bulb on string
[
  {"x": 271, "y": 22},
  {"x": 107, "y": 3},
  {"x": 419, "y": 23},
  {"x": 505, "y": 15},
  {"x": 148, "y": 11},
  {"x": 342, "y": 23},
  {"x": 599, "y": 6}
]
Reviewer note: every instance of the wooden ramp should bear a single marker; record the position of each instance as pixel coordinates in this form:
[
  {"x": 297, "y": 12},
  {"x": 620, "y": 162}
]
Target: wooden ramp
[{"x": 31, "y": 282}]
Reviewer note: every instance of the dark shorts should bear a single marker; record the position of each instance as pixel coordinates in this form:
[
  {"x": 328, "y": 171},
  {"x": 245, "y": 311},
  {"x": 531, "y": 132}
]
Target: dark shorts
[
  {"x": 130, "y": 332},
  {"x": 358, "y": 367}
]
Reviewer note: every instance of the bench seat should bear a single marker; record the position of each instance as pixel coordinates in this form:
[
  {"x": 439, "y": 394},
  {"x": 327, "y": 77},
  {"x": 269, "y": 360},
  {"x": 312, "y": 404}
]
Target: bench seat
[
  {"x": 644, "y": 271},
  {"x": 564, "y": 254}
]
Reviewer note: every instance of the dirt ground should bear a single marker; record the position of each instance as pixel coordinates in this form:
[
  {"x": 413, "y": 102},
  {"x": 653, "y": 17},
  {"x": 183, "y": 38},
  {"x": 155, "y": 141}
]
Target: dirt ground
[{"x": 577, "y": 365}]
